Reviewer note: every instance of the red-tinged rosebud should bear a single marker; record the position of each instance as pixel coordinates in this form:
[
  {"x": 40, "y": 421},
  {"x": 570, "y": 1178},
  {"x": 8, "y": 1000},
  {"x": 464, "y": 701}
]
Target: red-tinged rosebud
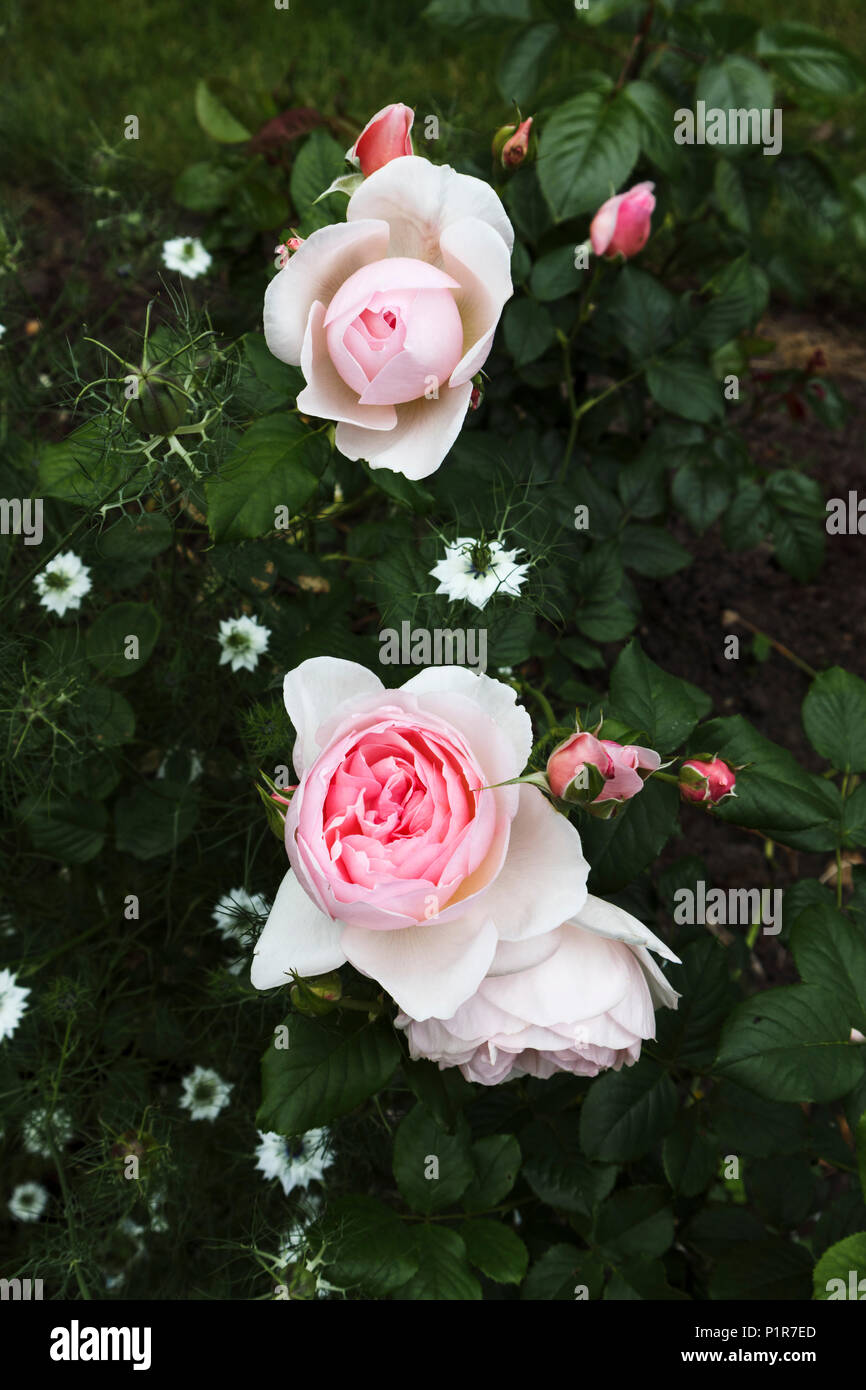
[
  {"x": 592, "y": 771},
  {"x": 621, "y": 227},
  {"x": 511, "y": 144},
  {"x": 707, "y": 780},
  {"x": 386, "y": 136}
]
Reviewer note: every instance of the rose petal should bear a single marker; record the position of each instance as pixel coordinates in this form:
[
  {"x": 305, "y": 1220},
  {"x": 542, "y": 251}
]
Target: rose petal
[
  {"x": 314, "y": 691},
  {"x": 425, "y": 430},
  {"x": 606, "y": 919},
  {"x": 326, "y": 393},
  {"x": 429, "y": 969},
  {"x": 323, "y": 262},
  {"x": 475, "y": 255},
  {"x": 297, "y": 936},
  {"x": 419, "y": 199}
]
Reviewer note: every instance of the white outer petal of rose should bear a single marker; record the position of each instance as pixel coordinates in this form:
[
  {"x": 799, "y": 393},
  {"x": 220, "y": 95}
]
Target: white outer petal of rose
[
  {"x": 297, "y": 936},
  {"x": 316, "y": 271},
  {"x": 543, "y": 880},
  {"x": 496, "y": 700},
  {"x": 663, "y": 993},
  {"x": 326, "y": 394},
  {"x": 314, "y": 691},
  {"x": 586, "y": 977},
  {"x": 476, "y": 256},
  {"x": 419, "y": 200},
  {"x": 606, "y": 919},
  {"x": 429, "y": 969},
  {"x": 425, "y": 431}
]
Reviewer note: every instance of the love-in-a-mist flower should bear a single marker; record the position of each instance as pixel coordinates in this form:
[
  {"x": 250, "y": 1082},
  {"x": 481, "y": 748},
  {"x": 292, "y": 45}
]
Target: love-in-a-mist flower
[
  {"x": 186, "y": 254},
  {"x": 205, "y": 1093},
  {"x": 13, "y": 1003},
  {"x": 242, "y": 641},
  {"x": 63, "y": 582},
  {"x": 28, "y": 1201},
  {"x": 42, "y": 1128},
  {"x": 476, "y": 570},
  {"x": 295, "y": 1160},
  {"x": 235, "y": 912},
  {"x": 391, "y": 313}
]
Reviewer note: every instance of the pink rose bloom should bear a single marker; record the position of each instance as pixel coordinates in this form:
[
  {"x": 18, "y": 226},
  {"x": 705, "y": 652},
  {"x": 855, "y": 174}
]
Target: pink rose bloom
[
  {"x": 707, "y": 781},
  {"x": 384, "y": 137},
  {"x": 391, "y": 313},
  {"x": 407, "y": 859},
  {"x": 622, "y": 224},
  {"x": 580, "y": 999},
  {"x": 618, "y": 764}
]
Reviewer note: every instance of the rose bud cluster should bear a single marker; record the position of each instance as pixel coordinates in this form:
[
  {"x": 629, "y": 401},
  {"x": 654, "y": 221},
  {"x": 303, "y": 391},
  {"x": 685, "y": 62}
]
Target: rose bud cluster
[
  {"x": 707, "y": 779},
  {"x": 592, "y": 771},
  {"x": 621, "y": 227}
]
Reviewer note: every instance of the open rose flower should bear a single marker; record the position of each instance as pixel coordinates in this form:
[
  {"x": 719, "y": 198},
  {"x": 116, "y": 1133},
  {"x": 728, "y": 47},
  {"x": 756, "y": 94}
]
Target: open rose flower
[
  {"x": 580, "y": 999},
  {"x": 408, "y": 858},
  {"x": 621, "y": 227},
  {"x": 392, "y": 313},
  {"x": 385, "y": 137}
]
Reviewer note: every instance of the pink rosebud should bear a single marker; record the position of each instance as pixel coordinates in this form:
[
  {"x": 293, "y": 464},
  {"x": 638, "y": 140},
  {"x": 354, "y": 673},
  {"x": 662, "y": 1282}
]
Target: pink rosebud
[
  {"x": 286, "y": 249},
  {"x": 568, "y": 760},
  {"x": 384, "y": 137},
  {"x": 622, "y": 224},
  {"x": 706, "y": 780},
  {"x": 614, "y": 763},
  {"x": 516, "y": 147}
]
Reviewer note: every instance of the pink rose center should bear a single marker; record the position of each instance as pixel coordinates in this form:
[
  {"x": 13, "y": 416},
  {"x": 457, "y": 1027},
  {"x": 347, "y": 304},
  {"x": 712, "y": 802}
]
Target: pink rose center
[
  {"x": 394, "y": 331},
  {"x": 403, "y": 803}
]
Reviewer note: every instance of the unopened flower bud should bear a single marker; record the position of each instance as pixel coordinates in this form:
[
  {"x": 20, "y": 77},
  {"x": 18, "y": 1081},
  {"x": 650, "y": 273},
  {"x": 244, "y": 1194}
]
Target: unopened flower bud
[
  {"x": 511, "y": 143},
  {"x": 706, "y": 779},
  {"x": 317, "y": 995},
  {"x": 158, "y": 407}
]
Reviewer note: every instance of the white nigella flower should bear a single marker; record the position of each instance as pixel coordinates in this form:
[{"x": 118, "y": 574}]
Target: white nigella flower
[
  {"x": 242, "y": 640},
  {"x": 12, "y": 1003},
  {"x": 63, "y": 583},
  {"x": 205, "y": 1093},
  {"x": 186, "y": 254},
  {"x": 41, "y": 1127},
  {"x": 235, "y": 914},
  {"x": 296, "y": 1161},
  {"x": 2, "y": 329},
  {"x": 476, "y": 570},
  {"x": 28, "y": 1201}
]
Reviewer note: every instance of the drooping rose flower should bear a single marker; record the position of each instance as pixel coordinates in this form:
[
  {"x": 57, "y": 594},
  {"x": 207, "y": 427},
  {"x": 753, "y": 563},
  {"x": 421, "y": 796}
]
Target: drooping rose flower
[
  {"x": 386, "y": 136},
  {"x": 392, "y": 313},
  {"x": 616, "y": 763},
  {"x": 580, "y": 999},
  {"x": 408, "y": 857},
  {"x": 622, "y": 224},
  {"x": 707, "y": 780}
]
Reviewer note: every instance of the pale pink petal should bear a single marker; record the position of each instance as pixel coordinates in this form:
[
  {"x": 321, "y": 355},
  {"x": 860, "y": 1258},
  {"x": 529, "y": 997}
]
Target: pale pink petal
[
  {"x": 315, "y": 272},
  {"x": 587, "y": 976},
  {"x": 297, "y": 936},
  {"x": 476, "y": 255},
  {"x": 543, "y": 880},
  {"x": 420, "y": 199},
  {"x": 326, "y": 394},
  {"x": 603, "y": 224},
  {"x": 496, "y": 700},
  {"x": 425, "y": 431},
  {"x": 429, "y": 969},
  {"x": 606, "y": 919},
  {"x": 314, "y": 691}
]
